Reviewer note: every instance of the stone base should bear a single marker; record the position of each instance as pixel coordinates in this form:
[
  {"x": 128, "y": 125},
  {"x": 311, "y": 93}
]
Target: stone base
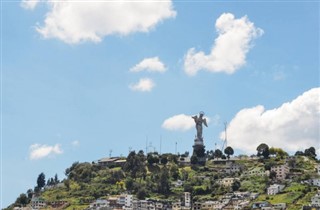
[{"x": 199, "y": 152}]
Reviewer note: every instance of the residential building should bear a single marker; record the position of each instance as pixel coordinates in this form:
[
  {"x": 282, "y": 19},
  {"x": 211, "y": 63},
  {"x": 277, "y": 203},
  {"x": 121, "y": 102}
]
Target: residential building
[
  {"x": 112, "y": 162},
  {"x": 232, "y": 167},
  {"x": 38, "y": 203},
  {"x": 99, "y": 203},
  {"x": 315, "y": 200},
  {"x": 281, "y": 171},
  {"x": 187, "y": 199},
  {"x": 256, "y": 172},
  {"x": 275, "y": 189},
  {"x": 227, "y": 182},
  {"x": 316, "y": 182}
]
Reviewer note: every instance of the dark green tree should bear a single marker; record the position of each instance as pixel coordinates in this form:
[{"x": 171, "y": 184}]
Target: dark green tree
[
  {"x": 22, "y": 200},
  {"x": 56, "y": 180},
  {"x": 263, "y": 150},
  {"x": 228, "y": 151},
  {"x": 153, "y": 158},
  {"x": 311, "y": 152},
  {"x": 217, "y": 153},
  {"x": 164, "y": 182},
  {"x": 235, "y": 185},
  {"x": 41, "y": 181},
  {"x": 30, "y": 194},
  {"x": 164, "y": 160}
]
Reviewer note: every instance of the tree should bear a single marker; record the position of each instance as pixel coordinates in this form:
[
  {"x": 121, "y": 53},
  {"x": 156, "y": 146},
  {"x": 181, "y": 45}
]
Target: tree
[
  {"x": 164, "y": 183},
  {"x": 228, "y": 151},
  {"x": 152, "y": 158},
  {"x": 311, "y": 152},
  {"x": 30, "y": 194},
  {"x": 235, "y": 185},
  {"x": 22, "y": 200},
  {"x": 273, "y": 175},
  {"x": 217, "y": 153},
  {"x": 263, "y": 150},
  {"x": 56, "y": 180},
  {"x": 164, "y": 160},
  {"x": 41, "y": 181}
]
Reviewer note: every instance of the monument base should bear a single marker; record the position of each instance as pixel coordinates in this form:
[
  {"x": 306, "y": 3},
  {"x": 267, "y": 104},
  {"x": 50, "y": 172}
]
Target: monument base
[{"x": 198, "y": 155}]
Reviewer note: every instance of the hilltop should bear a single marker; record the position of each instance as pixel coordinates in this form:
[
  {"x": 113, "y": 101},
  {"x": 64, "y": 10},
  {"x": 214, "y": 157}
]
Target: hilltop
[{"x": 166, "y": 177}]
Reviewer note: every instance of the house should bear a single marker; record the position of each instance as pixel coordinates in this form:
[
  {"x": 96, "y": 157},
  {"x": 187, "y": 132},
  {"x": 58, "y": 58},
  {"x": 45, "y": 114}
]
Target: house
[
  {"x": 184, "y": 161},
  {"x": 99, "y": 203},
  {"x": 281, "y": 171},
  {"x": 227, "y": 182},
  {"x": 315, "y": 200},
  {"x": 256, "y": 172},
  {"x": 315, "y": 182},
  {"x": 318, "y": 168},
  {"x": 275, "y": 189},
  {"x": 260, "y": 205},
  {"x": 111, "y": 162},
  {"x": 38, "y": 203},
  {"x": 233, "y": 168},
  {"x": 280, "y": 206}
]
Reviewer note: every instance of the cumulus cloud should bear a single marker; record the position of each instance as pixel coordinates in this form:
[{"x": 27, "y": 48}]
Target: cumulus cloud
[
  {"x": 149, "y": 64},
  {"x": 181, "y": 122},
  {"x": 292, "y": 126},
  {"x": 230, "y": 48},
  {"x": 38, "y": 151},
  {"x": 74, "y": 22},
  {"x": 144, "y": 85}
]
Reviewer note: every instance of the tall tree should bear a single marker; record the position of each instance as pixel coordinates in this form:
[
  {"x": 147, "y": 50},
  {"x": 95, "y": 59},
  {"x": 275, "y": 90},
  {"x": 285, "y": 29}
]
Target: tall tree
[
  {"x": 263, "y": 150},
  {"x": 41, "y": 181},
  {"x": 217, "y": 153},
  {"x": 164, "y": 183},
  {"x": 228, "y": 151},
  {"x": 56, "y": 180},
  {"x": 22, "y": 200}
]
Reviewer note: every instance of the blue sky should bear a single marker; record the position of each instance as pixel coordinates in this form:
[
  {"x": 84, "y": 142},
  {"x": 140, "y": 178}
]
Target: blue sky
[{"x": 70, "y": 74}]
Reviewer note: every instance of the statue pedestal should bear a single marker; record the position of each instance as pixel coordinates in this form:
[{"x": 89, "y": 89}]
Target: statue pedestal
[{"x": 199, "y": 151}]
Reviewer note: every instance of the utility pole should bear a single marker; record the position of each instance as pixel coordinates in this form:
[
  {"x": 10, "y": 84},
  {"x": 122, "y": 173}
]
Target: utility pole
[
  {"x": 225, "y": 133},
  {"x": 160, "y": 143},
  {"x": 176, "y": 148}
]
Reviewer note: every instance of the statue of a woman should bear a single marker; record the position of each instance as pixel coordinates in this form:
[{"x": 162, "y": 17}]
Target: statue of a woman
[{"x": 199, "y": 120}]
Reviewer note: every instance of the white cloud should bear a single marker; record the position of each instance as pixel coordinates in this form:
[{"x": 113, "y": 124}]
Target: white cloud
[
  {"x": 74, "y": 22},
  {"x": 29, "y": 4},
  {"x": 229, "y": 51},
  {"x": 38, "y": 151},
  {"x": 293, "y": 126},
  {"x": 149, "y": 64},
  {"x": 144, "y": 85},
  {"x": 181, "y": 122}
]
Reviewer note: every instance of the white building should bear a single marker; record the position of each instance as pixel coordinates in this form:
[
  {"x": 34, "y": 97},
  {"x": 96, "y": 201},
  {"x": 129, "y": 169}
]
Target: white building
[
  {"x": 315, "y": 200},
  {"x": 99, "y": 203},
  {"x": 275, "y": 189},
  {"x": 38, "y": 203},
  {"x": 187, "y": 199},
  {"x": 316, "y": 182}
]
